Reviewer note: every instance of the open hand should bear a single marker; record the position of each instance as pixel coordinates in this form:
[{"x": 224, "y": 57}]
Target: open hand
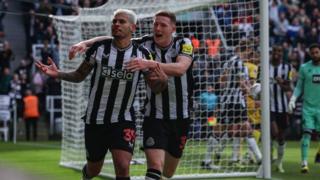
[
  {"x": 51, "y": 69},
  {"x": 157, "y": 79},
  {"x": 137, "y": 64},
  {"x": 77, "y": 48}
]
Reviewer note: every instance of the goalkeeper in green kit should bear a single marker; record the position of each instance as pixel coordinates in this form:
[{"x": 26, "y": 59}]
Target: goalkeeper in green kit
[{"x": 309, "y": 85}]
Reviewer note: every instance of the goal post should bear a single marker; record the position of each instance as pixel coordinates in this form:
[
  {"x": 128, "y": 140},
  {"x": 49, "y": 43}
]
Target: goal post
[
  {"x": 217, "y": 27},
  {"x": 265, "y": 97}
]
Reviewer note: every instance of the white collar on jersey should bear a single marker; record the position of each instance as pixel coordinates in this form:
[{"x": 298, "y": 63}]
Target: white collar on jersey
[
  {"x": 122, "y": 49},
  {"x": 164, "y": 48}
]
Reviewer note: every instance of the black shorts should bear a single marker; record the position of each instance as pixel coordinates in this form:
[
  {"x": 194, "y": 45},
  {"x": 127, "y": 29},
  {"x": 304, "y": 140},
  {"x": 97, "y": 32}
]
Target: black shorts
[
  {"x": 100, "y": 138},
  {"x": 233, "y": 113},
  {"x": 281, "y": 119},
  {"x": 170, "y": 135}
]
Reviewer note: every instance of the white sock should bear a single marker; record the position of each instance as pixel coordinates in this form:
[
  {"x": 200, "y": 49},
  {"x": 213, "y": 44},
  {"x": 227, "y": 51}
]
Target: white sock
[
  {"x": 211, "y": 145},
  {"x": 281, "y": 152},
  {"x": 250, "y": 154},
  {"x": 236, "y": 148},
  {"x": 223, "y": 142},
  {"x": 304, "y": 163},
  {"x": 252, "y": 144}
]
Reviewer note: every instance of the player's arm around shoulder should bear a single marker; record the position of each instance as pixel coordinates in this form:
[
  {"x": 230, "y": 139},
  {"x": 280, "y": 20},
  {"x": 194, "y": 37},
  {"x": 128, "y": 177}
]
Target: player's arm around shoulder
[
  {"x": 183, "y": 61},
  {"x": 83, "y": 46}
]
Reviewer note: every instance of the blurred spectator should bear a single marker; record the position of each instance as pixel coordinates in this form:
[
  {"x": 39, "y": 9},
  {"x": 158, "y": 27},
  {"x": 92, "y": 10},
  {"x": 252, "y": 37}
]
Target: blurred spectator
[
  {"x": 46, "y": 52},
  {"x": 6, "y": 54},
  {"x": 245, "y": 27},
  {"x": 23, "y": 72},
  {"x": 274, "y": 10},
  {"x": 31, "y": 114},
  {"x": 38, "y": 82},
  {"x": 30, "y": 30},
  {"x": 16, "y": 93},
  {"x": 312, "y": 37},
  {"x": 50, "y": 35},
  {"x": 55, "y": 53},
  {"x": 281, "y": 28},
  {"x": 5, "y": 79},
  {"x": 212, "y": 46},
  {"x": 62, "y": 8},
  {"x": 53, "y": 86},
  {"x": 44, "y": 8},
  {"x": 295, "y": 59},
  {"x": 3, "y": 9},
  {"x": 293, "y": 29},
  {"x": 195, "y": 42}
]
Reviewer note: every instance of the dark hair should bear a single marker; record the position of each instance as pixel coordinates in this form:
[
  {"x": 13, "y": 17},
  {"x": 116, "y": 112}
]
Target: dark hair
[
  {"x": 167, "y": 14},
  {"x": 275, "y": 47},
  {"x": 315, "y": 45}
]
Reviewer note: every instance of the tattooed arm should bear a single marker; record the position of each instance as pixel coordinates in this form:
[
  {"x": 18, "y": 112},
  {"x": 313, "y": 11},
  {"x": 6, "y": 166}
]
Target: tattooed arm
[
  {"x": 74, "y": 76},
  {"x": 79, "y": 74}
]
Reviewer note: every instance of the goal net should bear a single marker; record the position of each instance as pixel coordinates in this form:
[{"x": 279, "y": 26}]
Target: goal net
[{"x": 219, "y": 29}]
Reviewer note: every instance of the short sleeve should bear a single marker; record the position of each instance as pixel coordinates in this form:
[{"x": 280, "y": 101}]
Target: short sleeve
[
  {"x": 186, "y": 47},
  {"x": 91, "y": 53}
]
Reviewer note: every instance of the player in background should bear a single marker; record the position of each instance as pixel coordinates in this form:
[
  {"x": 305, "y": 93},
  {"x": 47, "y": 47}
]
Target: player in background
[
  {"x": 280, "y": 88},
  {"x": 309, "y": 85},
  {"x": 234, "y": 87},
  {"x": 109, "y": 121},
  {"x": 167, "y": 116},
  {"x": 253, "y": 104},
  {"x": 235, "y": 82}
]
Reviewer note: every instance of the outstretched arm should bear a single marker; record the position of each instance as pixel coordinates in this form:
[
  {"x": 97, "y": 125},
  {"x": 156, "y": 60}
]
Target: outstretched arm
[
  {"x": 82, "y": 46},
  {"x": 75, "y": 76},
  {"x": 178, "y": 68}
]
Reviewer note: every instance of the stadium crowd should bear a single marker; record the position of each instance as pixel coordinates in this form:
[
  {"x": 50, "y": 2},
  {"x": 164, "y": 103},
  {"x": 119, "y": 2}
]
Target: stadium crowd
[{"x": 39, "y": 31}]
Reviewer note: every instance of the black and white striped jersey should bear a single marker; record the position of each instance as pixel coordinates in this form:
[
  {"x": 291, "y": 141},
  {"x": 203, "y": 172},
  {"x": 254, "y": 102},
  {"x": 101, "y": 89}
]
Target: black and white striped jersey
[
  {"x": 278, "y": 97},
  {"x": 112, "y": 88},
  {"x": 175, "y": 101},
  {"x": 232, "y": 92}
]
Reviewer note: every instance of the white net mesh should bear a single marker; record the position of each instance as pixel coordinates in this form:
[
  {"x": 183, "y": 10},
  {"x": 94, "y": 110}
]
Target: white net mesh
[{"x": 217, "y": 27}]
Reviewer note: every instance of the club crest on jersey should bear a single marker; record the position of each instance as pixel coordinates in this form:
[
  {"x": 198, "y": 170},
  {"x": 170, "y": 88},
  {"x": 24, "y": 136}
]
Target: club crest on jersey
[
  {"x": 316, "y": 78},
  {"x": 110, "y": 72}
]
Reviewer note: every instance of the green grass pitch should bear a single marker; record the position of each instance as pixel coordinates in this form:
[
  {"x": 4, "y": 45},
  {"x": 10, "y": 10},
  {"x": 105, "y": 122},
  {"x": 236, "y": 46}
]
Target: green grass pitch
[{"x": 42, "y": 159}]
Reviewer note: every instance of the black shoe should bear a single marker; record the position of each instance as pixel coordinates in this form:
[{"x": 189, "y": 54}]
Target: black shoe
[
  {"x": 304, "y": 169},
  {"x": 208, "y": 166},
  {"x": 217, "y": 157}
]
